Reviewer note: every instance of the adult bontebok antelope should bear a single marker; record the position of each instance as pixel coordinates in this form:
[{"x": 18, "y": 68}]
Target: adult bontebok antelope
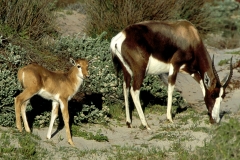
[
  {"x": 154, "y": 47},
  {"x": 59, "y": 87}
]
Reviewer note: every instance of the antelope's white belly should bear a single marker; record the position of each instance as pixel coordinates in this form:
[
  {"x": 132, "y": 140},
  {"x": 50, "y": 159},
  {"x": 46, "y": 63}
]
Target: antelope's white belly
[
  {"x": 155, "y": 66},
  {"x": 45, "y": 94}
]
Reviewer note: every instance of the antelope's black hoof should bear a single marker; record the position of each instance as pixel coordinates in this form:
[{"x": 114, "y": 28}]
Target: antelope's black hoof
[{"x": 128, "y": 124}]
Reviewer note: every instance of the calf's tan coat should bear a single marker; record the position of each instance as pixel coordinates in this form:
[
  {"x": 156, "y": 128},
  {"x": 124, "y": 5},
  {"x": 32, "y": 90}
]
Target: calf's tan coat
[{"x": 57, "y": 86}]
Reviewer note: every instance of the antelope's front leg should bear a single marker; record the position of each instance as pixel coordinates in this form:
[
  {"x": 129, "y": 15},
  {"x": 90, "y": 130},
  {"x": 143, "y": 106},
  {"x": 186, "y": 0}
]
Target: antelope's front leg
[
  {"x": 171, "y": 84},
  {"x": 54, "y": 114},
  {"x": 65, "y": 114}
]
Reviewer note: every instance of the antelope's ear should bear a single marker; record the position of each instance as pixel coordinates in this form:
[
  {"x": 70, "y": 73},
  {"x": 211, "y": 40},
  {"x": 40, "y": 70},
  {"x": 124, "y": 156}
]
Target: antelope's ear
[
  {"x": 207, "y": 81},
  {"x": 73, "y": 62}
]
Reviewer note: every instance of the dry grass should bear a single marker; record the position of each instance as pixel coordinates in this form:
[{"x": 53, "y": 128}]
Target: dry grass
[
  {"x": 114, "y": 15},
  {"x": 64, "y": 3},
  {"x": 27, "y": 18}
]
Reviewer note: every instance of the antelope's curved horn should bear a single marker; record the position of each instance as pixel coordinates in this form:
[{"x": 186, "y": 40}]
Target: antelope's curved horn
[
  {"x": 214, "y": 70},
  {"x": 227, "y": 79}
]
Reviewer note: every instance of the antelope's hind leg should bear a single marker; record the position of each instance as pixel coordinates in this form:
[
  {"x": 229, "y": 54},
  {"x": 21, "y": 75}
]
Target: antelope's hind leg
[
  {"x": 126, "y": 86},
  {"x": 21, "y": 102},
  {"x": 135, "y": 93},
  {"x": 17, "y": 105}
]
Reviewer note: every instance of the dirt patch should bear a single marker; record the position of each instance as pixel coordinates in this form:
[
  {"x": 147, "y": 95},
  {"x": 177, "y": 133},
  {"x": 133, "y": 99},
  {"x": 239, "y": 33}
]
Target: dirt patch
[{"x": 70, "y": 22}]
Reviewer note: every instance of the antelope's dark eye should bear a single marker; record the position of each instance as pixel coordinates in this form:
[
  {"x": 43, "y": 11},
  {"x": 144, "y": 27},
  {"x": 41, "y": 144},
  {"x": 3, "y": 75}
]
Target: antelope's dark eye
[{"x": 78, "y": 66}]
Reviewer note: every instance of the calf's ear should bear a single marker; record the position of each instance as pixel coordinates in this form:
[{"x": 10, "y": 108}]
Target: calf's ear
[{"x": 73, "y": 62}]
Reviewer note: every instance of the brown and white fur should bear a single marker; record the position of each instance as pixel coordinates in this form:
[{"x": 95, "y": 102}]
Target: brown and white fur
[
  {"x": 155, "y": 47},
  {"x": 57, "y": 86}
]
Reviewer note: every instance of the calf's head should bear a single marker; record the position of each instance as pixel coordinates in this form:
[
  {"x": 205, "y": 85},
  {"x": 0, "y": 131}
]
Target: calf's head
[{"x": 82, "y": 67}]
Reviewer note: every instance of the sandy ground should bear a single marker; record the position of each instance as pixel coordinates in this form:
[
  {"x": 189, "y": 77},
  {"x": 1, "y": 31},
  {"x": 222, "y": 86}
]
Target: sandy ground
[
  {"x": 72, "y": 23},
  {"x": 120, "y": 134}
]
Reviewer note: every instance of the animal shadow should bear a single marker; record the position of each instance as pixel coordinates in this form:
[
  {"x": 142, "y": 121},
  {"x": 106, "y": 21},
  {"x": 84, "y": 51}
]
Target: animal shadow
[{"x": 41, "y": 105}]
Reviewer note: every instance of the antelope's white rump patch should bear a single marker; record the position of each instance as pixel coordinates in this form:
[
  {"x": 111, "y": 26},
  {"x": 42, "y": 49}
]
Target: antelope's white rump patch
[{"x": 116, "y": 46}]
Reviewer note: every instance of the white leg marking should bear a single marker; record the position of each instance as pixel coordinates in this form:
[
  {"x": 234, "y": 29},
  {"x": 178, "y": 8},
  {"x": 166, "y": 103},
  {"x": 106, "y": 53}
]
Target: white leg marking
[
  {"x": 136, "y": 100},
  {"x": 202, "y": 87},
  {"x": 169, "y": 103},
  {"x": 24, "y": 117},
  {"x": 126, "y": 95},
  {"x": 170, "y": 92},
  {"x": 54, "y": 115},
  {"x": 216, "y": 108}
]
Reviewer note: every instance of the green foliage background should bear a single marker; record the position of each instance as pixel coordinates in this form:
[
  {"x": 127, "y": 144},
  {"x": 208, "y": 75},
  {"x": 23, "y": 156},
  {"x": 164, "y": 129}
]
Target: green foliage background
[{"x": 11, "y": 58}]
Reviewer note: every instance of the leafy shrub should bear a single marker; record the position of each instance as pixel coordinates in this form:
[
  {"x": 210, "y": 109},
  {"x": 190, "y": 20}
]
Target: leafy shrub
[
  {"x": 92, "y": 114},
  {"x": 27, "y": 18},
  {"x": 43, "y": 120},
  {"x": 7, "y": 117},
  {"x": 226, "y": 17},
  {"x": 11, "y": 58},
  {"x": 114, "y": 15}
]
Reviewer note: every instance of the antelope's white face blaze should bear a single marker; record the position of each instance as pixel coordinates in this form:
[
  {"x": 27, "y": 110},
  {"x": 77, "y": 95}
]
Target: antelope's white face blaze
[{"x": 216, "y": 107}]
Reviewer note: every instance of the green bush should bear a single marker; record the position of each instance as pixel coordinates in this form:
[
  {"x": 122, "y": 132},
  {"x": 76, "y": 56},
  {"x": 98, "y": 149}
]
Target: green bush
[
  {"x": 91, "y": 114},
  {"x": 11, "y": 58},
  {"x": 114, "y": 15},
  {"x": 226, "y": 17},
  {"x": 27, "y": 18}
]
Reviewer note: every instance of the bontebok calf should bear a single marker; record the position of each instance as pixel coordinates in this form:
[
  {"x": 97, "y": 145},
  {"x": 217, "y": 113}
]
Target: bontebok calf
[
  {"x": 59, "y": 87},
  {"x": 154, "y": 47}
]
